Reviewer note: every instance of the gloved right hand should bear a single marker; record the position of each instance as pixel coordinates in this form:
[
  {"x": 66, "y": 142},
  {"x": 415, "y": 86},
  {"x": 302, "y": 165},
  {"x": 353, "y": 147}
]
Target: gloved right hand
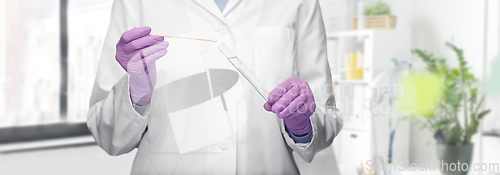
[{"x": 137, "y": 52}]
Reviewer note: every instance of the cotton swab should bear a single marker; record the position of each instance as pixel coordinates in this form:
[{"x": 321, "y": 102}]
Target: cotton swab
[{"x": 200, "y": 39}]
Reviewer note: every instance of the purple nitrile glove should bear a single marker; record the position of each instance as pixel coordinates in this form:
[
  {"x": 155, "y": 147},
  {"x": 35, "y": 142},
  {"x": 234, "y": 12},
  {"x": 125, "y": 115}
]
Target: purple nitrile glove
[
  {"x": 293, "y": 101},
  {"x": 137, "y": 52}
]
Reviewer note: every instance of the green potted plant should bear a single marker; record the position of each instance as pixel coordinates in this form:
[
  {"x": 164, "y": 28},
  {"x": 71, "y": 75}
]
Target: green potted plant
[
  {"x": 379, "y": 8},
  {"x": 458, "y": 113},
  {"x": 377, "y": 16}
]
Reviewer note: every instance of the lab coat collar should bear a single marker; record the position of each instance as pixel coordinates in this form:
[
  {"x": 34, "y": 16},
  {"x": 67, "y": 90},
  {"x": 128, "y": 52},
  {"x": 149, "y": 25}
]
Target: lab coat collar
[
  {"x": 211, "y": 7},
  {"x": 230, "y": 6}
]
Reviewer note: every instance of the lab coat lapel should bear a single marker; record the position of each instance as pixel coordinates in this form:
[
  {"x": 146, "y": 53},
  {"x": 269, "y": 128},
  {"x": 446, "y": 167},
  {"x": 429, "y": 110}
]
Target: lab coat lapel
[
  {"x": 230, "y": 6},
  {"x": 211, "y": 7}
]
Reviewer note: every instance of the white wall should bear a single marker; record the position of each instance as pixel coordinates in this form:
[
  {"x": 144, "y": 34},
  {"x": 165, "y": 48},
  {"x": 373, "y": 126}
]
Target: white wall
[
  {"x": 2, "y": 60},
  {"x": 458, "y": 21}
]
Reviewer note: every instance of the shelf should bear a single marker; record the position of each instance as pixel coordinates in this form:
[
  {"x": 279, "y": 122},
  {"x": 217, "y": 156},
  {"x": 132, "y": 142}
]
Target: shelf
[
  {"x": 349, "y": 33},
  {"x": 351, "y": 82},
  {"x": 360, "y": 33}
]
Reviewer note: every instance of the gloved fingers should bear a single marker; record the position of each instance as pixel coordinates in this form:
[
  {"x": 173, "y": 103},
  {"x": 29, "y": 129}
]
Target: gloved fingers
[
  {"x": 304, "y": 104},
  {"x": 275, "y": 94},
  {"x": 294, "y": 106},
  {"x": 284, "y": 100},
  {"x": 138, "y": 68},
  {"x": 155, "y": 56},
  {"x": 268, "y": 106},
  {"x": 150, "y": 50},
  {"x": 308, "y": 108},
  {"x": 311, "y": 103},
  {"x": 162, "y": 45},
  {"x": 279, "y": 91},
  {"x": 124, "y": 58},
  {"x": 140, "y": 43},
  {"x": 124, "y": 64},
  {"x": 134, "y": 33}
]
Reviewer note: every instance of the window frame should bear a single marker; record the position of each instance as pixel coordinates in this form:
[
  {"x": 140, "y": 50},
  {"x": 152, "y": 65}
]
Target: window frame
[{"x": 63, "y": 42}]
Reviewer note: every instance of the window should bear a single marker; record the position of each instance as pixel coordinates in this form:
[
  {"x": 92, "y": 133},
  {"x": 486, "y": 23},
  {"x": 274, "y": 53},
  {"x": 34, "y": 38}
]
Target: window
[
  {"x": 30, "y": 63},
  {"x": 49, "y": 52},
  {"x": 491, "y": 122},
  {"x": 87, "y": 25}
]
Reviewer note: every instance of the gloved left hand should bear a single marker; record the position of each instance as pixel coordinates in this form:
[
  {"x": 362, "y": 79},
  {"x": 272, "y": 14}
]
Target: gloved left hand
[
  {"x": 293, "y": 101},
  {"x": 137, "y": 52}
]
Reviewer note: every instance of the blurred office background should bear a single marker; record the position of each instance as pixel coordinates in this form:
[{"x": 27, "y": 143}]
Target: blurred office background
[{"x": 49, "y": 52}]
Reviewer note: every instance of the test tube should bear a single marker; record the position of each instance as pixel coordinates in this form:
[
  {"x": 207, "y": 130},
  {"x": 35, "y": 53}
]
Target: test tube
[{"x": 243, "y": 70}]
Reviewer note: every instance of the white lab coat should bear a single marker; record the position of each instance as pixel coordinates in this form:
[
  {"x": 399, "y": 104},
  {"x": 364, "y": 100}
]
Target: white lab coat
[{"x": 276, "y": 39}]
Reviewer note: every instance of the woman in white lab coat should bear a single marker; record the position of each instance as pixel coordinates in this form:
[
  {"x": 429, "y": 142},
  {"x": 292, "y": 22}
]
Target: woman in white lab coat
[{"x": 183, "y": 131}]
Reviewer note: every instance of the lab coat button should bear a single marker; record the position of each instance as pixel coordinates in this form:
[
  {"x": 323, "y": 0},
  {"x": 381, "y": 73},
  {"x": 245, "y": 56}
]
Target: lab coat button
[
  {"x": 223, "y": 30},
  {"x": 224, "y": 145}
]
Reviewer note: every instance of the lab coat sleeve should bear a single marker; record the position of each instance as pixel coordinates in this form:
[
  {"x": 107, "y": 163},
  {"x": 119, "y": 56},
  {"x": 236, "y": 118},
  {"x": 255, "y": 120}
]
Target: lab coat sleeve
[
  {"x": 312, "y": 66},
  {"x": 116, "y": 126}
]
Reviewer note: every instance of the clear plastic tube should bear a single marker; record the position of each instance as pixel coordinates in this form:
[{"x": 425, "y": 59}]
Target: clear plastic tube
[{"x": 244, "y": 70}]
